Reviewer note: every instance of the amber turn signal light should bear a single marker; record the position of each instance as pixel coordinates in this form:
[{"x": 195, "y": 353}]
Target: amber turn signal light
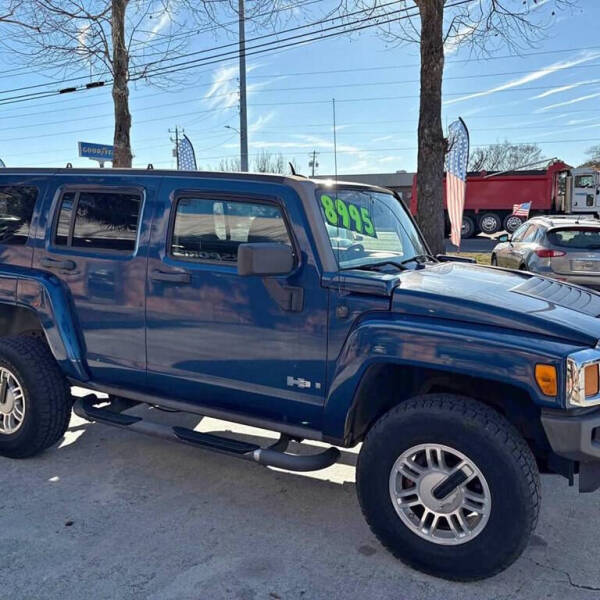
[
  {"x": 546, "y": 378},
  {"x": 592, "y": 381}
]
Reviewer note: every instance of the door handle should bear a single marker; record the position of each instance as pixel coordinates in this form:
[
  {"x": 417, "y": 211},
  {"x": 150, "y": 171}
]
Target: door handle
[
  {"x": 170, "y": 277},
  {"x": 53, "y": 263}
]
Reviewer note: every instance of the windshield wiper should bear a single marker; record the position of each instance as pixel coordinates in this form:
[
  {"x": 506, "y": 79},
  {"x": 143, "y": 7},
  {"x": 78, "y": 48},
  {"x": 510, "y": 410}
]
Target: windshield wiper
[
  {"x": 417, "y": 258},
  {"x": 374, "y": 266}
]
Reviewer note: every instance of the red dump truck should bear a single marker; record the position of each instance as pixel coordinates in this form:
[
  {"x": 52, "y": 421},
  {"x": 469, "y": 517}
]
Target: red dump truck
[{"x": 491, "y": 196}]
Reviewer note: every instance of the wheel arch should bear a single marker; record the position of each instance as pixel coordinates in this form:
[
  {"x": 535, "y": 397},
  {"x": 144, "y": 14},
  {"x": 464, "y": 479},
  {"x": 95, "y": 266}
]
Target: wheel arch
[{"x": 373, "y": 399}]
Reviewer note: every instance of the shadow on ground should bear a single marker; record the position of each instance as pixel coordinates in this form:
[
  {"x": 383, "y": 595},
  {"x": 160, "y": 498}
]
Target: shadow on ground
[{"x": 113, "y": 514}]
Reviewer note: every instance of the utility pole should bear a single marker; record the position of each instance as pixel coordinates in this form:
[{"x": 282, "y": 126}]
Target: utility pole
[
  {"x": 176, "y": 140},
  {"x": 243, "y": 112},
  {"x": 312, "y": 163}
]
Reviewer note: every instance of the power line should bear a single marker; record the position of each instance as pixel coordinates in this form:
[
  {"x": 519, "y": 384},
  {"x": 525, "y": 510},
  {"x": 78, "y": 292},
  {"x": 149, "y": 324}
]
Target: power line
[
  {"x": 257, "y": 49},
  {"x": 142, "y": 68},
  {"x": 20, "y": 72}
]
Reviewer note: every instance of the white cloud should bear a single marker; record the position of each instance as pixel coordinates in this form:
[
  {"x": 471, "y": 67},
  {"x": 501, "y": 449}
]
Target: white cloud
[
  {"x": 261, "y": 122},
  {"x": 164, "y": 20},
  {"x": 567, "y": 102},
  {"x": 564, "y": 88},
  {"x": 224, "y": 92},
  {"x": 533, "y": 76},
  {"x": 383, "y": 138}
]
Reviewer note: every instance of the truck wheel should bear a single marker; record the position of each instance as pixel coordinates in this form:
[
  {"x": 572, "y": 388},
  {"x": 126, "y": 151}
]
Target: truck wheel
[
  {"x": 35, "y": 402},
  {"x": 449, "y": 487},
  {"x": 490, "y": 223},
  {"x": 468, "y": 227},
  {"x": 512, "y": 223}
]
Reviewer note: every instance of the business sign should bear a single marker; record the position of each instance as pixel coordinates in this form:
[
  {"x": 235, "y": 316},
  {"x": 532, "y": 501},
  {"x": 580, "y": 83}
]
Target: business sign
[{"x": 99, "y": 152}]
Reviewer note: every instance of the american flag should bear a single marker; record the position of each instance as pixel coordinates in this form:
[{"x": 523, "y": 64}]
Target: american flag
[
  {"x": 456, "y": 176},
  {"x": 186, "y": 158},
  {"x": 521, "y": 210}
]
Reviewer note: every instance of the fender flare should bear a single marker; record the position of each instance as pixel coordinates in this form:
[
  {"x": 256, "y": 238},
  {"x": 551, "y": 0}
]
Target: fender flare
[
  {"x": 50, "y": 299},
  {"x": 450, "y": 346}
]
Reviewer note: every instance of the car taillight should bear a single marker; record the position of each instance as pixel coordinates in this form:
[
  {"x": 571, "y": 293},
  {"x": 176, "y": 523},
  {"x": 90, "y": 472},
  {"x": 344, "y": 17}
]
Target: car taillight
[{"x": 545, "y": 253}]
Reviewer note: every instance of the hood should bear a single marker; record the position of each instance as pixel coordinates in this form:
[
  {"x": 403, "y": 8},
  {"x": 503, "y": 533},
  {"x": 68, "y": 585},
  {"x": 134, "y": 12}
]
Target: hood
[{"x": 501, "y": 298}]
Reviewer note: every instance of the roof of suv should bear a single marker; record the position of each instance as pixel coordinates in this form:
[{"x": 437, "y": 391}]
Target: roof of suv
[
  {"x": 567, "y": 220},
  {"x": 272, "y": 177}
]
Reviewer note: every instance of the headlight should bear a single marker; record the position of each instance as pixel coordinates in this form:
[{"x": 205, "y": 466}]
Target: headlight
[{"x": 583, "y": 378}]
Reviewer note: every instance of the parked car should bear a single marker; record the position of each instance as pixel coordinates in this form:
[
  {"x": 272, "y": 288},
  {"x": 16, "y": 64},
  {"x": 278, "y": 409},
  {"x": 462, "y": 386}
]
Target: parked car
[
  {"x": 251, "y": 298},
  {"x": 565, "y": 248}
]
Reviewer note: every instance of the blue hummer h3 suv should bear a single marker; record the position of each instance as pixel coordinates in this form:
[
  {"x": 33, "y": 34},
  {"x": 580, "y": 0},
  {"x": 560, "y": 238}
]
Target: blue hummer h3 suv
[{"x": 309, "y": 308}]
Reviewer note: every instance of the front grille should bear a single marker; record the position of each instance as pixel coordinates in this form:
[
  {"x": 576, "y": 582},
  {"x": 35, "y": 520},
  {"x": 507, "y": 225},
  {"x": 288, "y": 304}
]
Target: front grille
[{"x": 561, "y": 294}]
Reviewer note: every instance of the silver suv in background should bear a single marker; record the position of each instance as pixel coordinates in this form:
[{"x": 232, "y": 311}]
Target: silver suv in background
[{"x": 562, "y": 247}]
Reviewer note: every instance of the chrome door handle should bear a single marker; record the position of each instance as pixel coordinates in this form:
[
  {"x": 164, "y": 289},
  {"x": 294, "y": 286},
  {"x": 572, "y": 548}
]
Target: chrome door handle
[
  {"x": 170, "y": 277},
  {"x": 52, "y": 263}
]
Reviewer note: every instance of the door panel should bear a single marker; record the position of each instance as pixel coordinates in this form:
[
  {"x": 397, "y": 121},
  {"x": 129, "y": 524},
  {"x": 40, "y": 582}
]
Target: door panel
[
  {"x": 233, "y": 342},
  {"x": 96, "y": 242}
]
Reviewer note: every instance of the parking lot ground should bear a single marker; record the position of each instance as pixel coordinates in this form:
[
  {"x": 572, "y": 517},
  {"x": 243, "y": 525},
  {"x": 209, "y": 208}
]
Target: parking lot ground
[{"x": 113, "y": 514}]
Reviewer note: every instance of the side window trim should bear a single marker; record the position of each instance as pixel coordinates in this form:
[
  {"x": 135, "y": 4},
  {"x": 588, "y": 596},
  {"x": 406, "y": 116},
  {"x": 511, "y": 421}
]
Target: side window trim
[
  {"x": 225, "y": 197},
  {"x": 77, "y": 190}
]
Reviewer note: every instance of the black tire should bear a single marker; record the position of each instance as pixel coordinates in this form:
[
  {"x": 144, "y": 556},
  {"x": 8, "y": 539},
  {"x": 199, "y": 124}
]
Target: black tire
[
  {"x": 494, "y": 261},
  {"x": 47, "y": 396},
  {"x": 490, "y": 223},
  {"x": 492, "y": 444},
  {"x": 468, "y": 227},
  {"x": 511, "y": 223}
]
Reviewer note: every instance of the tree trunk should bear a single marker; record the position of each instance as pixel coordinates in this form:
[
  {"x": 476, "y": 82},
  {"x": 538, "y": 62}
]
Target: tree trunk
[
  {"x": 432, "y": 145},
  {"x": 120, "y": 90}
]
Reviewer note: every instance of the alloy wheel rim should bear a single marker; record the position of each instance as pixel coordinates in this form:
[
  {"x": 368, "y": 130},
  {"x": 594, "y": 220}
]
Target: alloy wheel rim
[
  {"x": 513, "y": 223},
  {"x": 440, "y": 494},
  {"x": 12, "y": 403},
  {"x": 489, "y": 225}
]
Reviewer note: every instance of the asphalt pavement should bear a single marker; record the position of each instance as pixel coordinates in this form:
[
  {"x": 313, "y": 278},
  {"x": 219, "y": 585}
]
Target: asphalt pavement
[{"x": 111, "y": 514}]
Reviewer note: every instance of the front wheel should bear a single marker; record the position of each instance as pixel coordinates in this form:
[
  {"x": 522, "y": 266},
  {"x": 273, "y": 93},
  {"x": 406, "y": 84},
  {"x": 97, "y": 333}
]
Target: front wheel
[{"x": 449, "y": 487}]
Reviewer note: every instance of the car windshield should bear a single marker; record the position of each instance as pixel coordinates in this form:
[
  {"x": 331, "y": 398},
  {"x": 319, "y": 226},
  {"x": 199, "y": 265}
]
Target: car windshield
[
  {"x": 367, "y": 227},
  {"x": 581, "y": 238}
]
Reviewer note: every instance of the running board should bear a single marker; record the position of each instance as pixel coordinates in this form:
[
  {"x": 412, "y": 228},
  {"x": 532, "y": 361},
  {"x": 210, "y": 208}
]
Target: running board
[{"x": 274, "y": 455}]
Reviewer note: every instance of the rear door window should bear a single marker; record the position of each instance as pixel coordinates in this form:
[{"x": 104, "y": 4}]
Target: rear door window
[
  {"x": 577, "y": 238},
  {"x": 16, "y": 210},
  {"x": 98, "y": 220}
]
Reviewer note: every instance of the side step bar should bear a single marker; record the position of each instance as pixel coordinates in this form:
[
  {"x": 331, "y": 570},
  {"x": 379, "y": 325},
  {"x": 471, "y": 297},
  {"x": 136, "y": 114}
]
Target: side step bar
[{"x": 274, "y": 455}]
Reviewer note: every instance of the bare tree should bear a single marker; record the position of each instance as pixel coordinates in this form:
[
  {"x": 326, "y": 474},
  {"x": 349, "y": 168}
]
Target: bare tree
[
  {"x": 264, "y": 162},
  {"x": 505, "y": 157},
  {"x": 437, "y": 25},
  {"x": 594, "y": 157},
  {"x": 123, "y": 41}
]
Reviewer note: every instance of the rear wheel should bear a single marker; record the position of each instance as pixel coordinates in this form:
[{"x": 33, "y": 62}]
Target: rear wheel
[
  {"x": 490, "y": 223},
  {"x": 449, "y": 486},
  {"x": 35, "y": 403},
  {"x": 468, "y": 227},
  {"x": 494, "y": 261},
  {"x": 512, "y": 223}
]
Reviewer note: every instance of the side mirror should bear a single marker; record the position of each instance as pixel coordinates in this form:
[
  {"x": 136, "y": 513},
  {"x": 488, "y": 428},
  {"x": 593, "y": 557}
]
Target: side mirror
[
  {"x": 505, "y": 237},
  {"x": 268, "y": 258}
]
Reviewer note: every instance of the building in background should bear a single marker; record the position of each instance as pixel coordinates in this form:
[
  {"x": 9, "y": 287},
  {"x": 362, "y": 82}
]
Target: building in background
[{"x": 400, "y": 182}]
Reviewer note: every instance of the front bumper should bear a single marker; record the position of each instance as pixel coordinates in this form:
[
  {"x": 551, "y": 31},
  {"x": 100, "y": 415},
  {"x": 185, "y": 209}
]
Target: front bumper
[{"x": 576, "y": 437}]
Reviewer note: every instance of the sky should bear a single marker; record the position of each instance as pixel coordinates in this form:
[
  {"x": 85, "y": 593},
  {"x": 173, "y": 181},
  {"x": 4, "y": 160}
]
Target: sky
[{"x": 547, "y": 94}]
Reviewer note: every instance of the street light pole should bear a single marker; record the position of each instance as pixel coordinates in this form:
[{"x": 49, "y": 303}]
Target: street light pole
[{"x": 243, "y": 111}]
